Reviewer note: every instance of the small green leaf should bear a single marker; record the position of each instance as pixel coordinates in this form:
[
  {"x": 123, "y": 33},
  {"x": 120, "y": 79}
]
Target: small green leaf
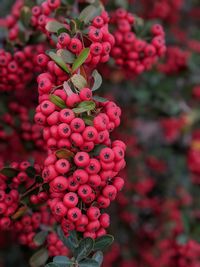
[
  {"x": 97, "y": 80},
  {"x": 66, "y": 55},
  {"x": 84, "y": 107},
  {"x": 62, "y": 30},
  {"x": 103, "y": 242},
  {"x": 68, "y": 242},
  {"x": 25, "y": 16},
  {"x": 182, "y": 239},
  {"x": 79, "y": 81},
  {"x": 97, "y": 149},
  {"x": 186, "y": 222},
  {"x": 40, "y": 238},
  {"x": 9, "y": 172},
  {"x": 31, "y": 171},
  {"x": 88, "y": 120},
  {"x": 64, "y": 154},
  {"x": 98, "y": 257},
  {"x": 54, "y": 26},
  {"x": 84, "y": 249},
  {"x": 89, "y": 263},
  {"x": 38, "y": 179},
  {"x": 39, "y": 258},
  {"x": 59, "y": 61},
  {"x": 99, "y": 99},
  {"x": 19, "y": 213},
  {"x": 90, "y": 12},
  {"x": 67, "y": 88},
  {"x": 57, "y": 101},
  {"x": 80, "y": 59},
  {"x": 62, "y": 261}
]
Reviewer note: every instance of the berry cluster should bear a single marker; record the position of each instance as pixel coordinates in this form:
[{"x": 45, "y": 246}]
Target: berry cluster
[
  {"x": 55, "y": 245},
  {"x": 11, "y": 20},
  {"x": 19, "y": 125},
  {"x": 82, "y": 163},
  {"x": 175, "y": 61},
  {"x": 98, "y": 39},
  {"x": 19, "y": 68},
  {"x": 41, "y": 14},
  {"x": 82, "y": 179},
  {"x": 9, "y": 190},
  {"x": 167, "y": 10},
  {"x": 131, "y": 53},
  {"x": 194, "y": 157},
  {"x": 28, "y": 226}
]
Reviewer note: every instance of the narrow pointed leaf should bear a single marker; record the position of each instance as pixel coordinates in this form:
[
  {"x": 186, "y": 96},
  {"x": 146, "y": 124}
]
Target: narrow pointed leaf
[
  {"x": 99, "y": 99},
  {"x": 84, "y": 107},
  {"x": 66, "y": 55},
  {"x": 19, "y": 213},
  {"x": 9, "y": 172},
  {"x": 57, "y": 101},
  {"x": 64, "y": 154},
  {"x": 67, "y": 88},
  {"x": 80, "y": 59},
  {"x": 59, "y": 61},
  {"x": 97, "y": 80}
]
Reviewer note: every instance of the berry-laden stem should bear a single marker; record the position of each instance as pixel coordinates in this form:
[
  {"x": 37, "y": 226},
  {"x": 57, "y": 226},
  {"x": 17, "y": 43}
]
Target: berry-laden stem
[{"x": 30, "y": 190}]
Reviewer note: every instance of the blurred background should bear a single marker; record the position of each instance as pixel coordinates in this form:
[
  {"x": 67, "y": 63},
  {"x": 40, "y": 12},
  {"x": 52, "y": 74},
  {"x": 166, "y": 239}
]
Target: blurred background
[{"x": 156, "y": 218}]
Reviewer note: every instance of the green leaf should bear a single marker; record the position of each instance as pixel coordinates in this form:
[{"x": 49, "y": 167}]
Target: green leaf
[
  {"x": 64, "y": 154},
  {"x": 98, "y": 257},
  {"x": 103, "y": 242},
  {"x": 99, "y": 99},
  {"x": 89, "y": 263},
  {"x": 80, "y": 59},
  {"x": 62, "y": 30},
  {"x": 97, "y": 149},
  {"x": 25, "y": 16},
  {"x": 40, "y": 238},
  {"x": 67, "y": 88},
  {"x": 54, "y": 26},
  {"x": 79, "y": 81},
  {"x": 57, "y": 101},
  {"x": 39, "y": 258},
  {"x": 31, "y": 171},
  {"x": 97, "y": 80},
  {"x": 66, "y": 55},
  {"x": 62, "y": 261},
  {"x": 59, "y": 61},
  {"x": 38, "y": 179},
  {"x": 88, "y": 120},
  {"x": 84, "y": 249},
  {"x": 186, "y": 222},
  {"x": 182, "y": 239},
  {"x": 84, "y": 106},
  {"x": 9, "y": 172},
  {"x": 19, "y": 213},
  {"x": 52, "y": 264},
  {"x": 90, "y": 12},
  {"x": 70, "y": 242}
]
